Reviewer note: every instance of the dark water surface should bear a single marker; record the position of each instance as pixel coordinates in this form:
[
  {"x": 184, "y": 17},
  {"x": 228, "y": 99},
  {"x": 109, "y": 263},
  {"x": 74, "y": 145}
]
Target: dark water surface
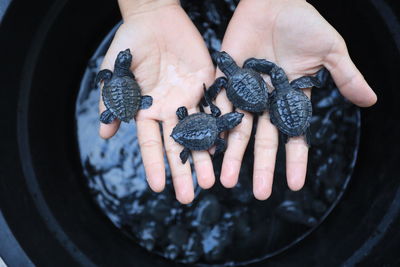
[{"x": 222, "y": 226}]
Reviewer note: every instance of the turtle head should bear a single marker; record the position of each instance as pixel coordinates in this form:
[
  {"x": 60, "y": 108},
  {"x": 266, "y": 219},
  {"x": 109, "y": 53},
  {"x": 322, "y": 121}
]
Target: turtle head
[
  {"x": 279, "y": 78},
  {"x": 229, "y": 121},
  {"x": 225, "y": 62},
  {"x": 124, "y": 60}
]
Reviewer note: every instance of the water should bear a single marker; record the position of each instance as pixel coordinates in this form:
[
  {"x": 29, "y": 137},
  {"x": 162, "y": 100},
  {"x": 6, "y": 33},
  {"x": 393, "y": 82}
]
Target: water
[{"x": 219, "y": 220}]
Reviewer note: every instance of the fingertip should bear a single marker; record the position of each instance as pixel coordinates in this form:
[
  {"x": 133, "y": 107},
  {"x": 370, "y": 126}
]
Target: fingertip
[
  {"x": 359, "y": 92},
  {"x": 372, "y": 99},
  {"x": 106, "y": 131},
  {"x": 296, "y": 179},
  {"x": 206, "y": 178},
  {"x": 229, "y": 174},
  {"x": 204, "y": 169},
  {"x": 228, "y": 182},
  {"x": 296, "y": 185},
  {"x": 261, "y": 194},
  {"x": 158, "y": 188},
  {"x": 229, "y": 178},
  {"x": 156, "y": 183},
  {"x": 262, "y": 183},
  {"x": 185, "y": 198},
  {"x": 105, "y": 135},
  {"x": 206, "y": 182}
]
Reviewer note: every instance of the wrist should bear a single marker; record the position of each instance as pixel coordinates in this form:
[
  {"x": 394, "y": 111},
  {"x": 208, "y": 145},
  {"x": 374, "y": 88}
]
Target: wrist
[{"x": 132, "y": 7}]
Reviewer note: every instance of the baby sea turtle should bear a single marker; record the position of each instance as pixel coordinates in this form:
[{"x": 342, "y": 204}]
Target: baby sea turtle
[
  {"x": 290, "y": 109},
  {"x": 245, "y": 87},
  {"x": 121, "y": 92},
  {"x": 200, "y": 131}
]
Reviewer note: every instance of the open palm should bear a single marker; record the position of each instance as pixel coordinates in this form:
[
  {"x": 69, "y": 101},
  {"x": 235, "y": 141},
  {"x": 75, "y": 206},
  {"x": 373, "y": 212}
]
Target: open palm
[
  {"x": 171, "y": 63},
  {"x": 292, "y": 34}
]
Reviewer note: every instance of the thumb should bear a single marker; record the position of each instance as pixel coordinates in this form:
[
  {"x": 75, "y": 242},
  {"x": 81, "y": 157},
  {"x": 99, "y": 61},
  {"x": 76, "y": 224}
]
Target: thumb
[{"x": 348, "y": 78}]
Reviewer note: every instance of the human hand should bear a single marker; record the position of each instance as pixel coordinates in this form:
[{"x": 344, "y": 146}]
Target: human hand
[
  {"x": 170, "y": 63},
  {"x": 292, "y": 34}
]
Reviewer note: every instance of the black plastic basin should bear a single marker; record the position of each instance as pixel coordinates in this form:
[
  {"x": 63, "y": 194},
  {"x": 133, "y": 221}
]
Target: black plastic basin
[{"x": 47, "y": 217}]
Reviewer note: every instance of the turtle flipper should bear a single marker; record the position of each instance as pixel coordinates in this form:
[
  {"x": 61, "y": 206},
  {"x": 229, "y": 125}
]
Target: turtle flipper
[
  {"x": 306, "y": 82},
  {"x": 267, "y": 95},
  {"x": 323, "y": 76},
  {"x": 146, "y": 102},
  {"x": 181, "y": 113},
  {"x": 184, "y": 155},
  {"x": 259, "y": 65},
  {"x": 220, "y": 146},
  {"x": 103, "y": 75},
  {"x": 215, "y": 88},
  {"x": 107, "y": 117},
  {"x": 215, "y": 111}
]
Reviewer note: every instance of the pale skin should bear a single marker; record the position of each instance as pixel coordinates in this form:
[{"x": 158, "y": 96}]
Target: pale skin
[
  {"x": 295, "y": 36},
  {"x": 171, "y": 62}
]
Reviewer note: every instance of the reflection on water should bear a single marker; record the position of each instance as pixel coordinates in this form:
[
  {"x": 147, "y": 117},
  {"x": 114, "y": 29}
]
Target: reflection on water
[{"x": 219, "y": 220}]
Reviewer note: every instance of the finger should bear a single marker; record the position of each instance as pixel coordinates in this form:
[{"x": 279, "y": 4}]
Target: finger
[
  {"x": 181, "y": 173},
  {"x": 204, "y": 169},
  {"x": 223, "y": 103},
  {"x": 149, "y": 138},
  {"x": 107, "y": 130},
  {"x": 265, "y": 149},
  {"x": 222, "y": 100},
  {"x": 237, "y": 142},
  {"x": 296, "y": 158},
  {"x": 296, "y": 162},
  {"x": 203, "y": 165},
  {"x": 348, "y": 78}
]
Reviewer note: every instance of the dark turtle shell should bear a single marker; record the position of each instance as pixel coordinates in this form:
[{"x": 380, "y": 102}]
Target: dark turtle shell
[
  {"x": 247, "y": 90},
  {"x": 196, "y": 132},
  {"x": 121, "y": 95},
  {"x": 290, "y": 111}
]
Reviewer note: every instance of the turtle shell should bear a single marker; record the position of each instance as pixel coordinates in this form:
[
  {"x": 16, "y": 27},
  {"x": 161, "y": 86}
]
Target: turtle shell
[
  {"x": 196, "y": 132},
  {"x": 291, "y": 111},
  {"x": 121, "y": 95},
  {"x": 247, "y": 90}
]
